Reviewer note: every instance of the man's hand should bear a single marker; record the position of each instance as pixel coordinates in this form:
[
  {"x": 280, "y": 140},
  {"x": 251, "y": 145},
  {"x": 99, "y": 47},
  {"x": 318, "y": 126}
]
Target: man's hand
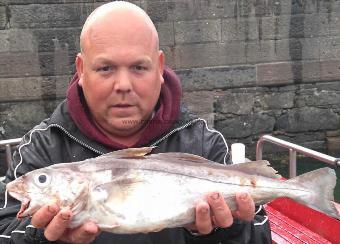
[
  {"x": 56, "y": 221},
  {"x": 215, "y": 212}
]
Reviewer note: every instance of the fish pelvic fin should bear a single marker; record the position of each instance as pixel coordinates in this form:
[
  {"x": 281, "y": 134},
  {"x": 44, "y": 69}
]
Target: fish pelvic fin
[{"x": 320, "y": 183}]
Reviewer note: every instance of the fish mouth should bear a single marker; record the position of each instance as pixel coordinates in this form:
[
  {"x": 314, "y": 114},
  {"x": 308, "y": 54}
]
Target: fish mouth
[
  {"x": 23, "y": 212},
  {"x": 17, "y": 190}
]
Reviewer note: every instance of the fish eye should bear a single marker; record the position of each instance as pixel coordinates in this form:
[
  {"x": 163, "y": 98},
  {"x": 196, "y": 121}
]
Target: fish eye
[{"x": 42, "y": 179}]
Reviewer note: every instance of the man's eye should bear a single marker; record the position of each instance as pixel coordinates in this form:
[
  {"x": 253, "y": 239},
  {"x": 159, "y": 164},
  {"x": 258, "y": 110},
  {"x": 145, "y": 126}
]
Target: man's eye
[
  {"x": 104, "y": 69},
  {"x": 139, "y": 68}
]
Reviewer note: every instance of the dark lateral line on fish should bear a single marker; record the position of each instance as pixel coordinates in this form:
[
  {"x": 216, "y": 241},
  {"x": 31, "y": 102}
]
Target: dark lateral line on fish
[{"x": 226, "y": 183}]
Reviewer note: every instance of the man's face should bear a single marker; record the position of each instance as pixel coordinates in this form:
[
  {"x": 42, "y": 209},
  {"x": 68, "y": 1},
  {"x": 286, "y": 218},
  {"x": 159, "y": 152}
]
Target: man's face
[{"x": 121, "y": 76}]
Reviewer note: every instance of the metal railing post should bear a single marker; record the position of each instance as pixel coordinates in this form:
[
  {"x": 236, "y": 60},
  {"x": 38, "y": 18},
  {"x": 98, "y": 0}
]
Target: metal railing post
[
  {"x": 292, "y": 163},
  {"x": 7, "y": 145},
  {"x": 8, "y": 151},
  {"x": 259, "y": 149}
]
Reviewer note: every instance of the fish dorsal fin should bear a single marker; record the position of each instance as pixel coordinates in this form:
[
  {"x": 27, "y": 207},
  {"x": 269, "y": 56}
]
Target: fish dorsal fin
[
  {"x": 185, "y": 157},
  {"x": 129, "y": 152},
  {"x": 260, "y": 167}
]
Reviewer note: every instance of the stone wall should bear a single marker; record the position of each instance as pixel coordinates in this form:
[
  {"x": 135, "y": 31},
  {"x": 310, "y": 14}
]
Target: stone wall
[{"x": 249, "y": 67}]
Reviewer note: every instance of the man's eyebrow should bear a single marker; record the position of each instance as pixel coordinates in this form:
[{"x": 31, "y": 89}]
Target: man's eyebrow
[
  {"x": 142, "y": 61},
  {"x": 102, "y": 60}
]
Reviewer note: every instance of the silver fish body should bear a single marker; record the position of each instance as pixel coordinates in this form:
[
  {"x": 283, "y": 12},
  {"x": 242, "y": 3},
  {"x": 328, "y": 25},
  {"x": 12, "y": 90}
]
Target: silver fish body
[{"x": 130, "y": 192}]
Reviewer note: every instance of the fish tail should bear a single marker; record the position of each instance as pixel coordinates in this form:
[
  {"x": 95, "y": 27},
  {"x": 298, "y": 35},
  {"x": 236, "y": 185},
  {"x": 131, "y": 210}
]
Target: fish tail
[{"x": 320, "y": 183}]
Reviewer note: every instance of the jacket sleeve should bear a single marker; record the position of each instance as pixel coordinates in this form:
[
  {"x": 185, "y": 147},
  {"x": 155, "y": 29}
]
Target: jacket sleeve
[
  {"x": 256, "y": 231},
  {"x": 13, "y": 230}
]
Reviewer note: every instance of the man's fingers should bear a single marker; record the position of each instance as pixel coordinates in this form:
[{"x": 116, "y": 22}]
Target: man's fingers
[
  {"x": 58, "y": 225},
  {"x": 83, "y": 234},
  {"x": 245, "y": 207},
  {"x": 222, "y": 214},
  {"x": 203, "y": 219},
  {"x": 44, "y": 215}
]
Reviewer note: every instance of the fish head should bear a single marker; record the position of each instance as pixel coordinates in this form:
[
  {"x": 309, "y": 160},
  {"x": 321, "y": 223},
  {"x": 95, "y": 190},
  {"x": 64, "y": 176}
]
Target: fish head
[{"x": 46, "y": 186}]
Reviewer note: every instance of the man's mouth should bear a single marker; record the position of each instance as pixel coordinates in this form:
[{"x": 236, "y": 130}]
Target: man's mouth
[{"x": 122, "y": 105}]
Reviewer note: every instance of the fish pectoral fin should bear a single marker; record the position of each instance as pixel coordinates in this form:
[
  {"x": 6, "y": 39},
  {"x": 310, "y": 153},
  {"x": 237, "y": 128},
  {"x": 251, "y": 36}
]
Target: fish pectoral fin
[
  {"x": 130, "y": 153},
  {"x": 115, "y": 191}
]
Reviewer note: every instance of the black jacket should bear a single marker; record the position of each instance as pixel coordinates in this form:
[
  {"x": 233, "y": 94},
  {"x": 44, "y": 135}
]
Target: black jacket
[{"x": 58, "y": 140}]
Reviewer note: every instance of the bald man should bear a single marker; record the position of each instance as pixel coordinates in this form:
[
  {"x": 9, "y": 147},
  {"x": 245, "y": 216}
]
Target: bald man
[{"x": 122, "y": 96}]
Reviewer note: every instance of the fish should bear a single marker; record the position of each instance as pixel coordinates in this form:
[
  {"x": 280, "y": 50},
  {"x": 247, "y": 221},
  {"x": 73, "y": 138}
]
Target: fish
[{"x": 136, "y": 191}]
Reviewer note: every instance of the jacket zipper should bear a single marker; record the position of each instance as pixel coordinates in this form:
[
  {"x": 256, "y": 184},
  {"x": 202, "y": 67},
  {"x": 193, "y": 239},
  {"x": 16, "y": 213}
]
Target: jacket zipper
[
  {"x": 76, "y": 139},
  {"x": 173, "y": 131},
  {"x": 101, "y": 153}
]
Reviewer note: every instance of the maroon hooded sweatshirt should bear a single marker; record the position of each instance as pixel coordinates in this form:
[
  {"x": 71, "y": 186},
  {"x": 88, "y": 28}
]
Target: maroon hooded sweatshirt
[{"x": 166, "y": 113}]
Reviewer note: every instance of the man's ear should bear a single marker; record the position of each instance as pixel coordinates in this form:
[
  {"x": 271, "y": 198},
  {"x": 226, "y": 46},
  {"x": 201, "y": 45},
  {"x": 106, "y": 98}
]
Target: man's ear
[
  {"x": 80, "y": 68},
  {"x": 161, "y": 61}
]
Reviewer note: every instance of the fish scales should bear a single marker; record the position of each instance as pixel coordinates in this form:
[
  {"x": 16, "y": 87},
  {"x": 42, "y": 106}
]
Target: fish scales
[{"x": 128, "y": 191}]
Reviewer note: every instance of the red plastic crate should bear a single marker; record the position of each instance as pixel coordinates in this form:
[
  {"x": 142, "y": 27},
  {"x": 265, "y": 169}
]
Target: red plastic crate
[{"x": 292, "y": 222}]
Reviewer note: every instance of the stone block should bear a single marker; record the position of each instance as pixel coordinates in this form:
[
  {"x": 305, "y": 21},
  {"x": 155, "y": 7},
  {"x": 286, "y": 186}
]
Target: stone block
[
  {"x": 332, "y": 22},
  {"x": 57, "y": 63},
  {"x": 197, "y": 31},
  {"x": 261, "y": 51},
  {"x": 235, "y": 102},
  {"x": 3, "y": 19},
  {"x": 33, "y": 88},
  {"x": 17, "y": 40},
  {"x": 333, "y": 143},
  {"x": 26, "y": 64},
  {"x": 299, "y": 7},
  {"x": 330, "y": 70},
  {"x": 334, "y": 133},
  {"x": 289, "y": 26},
  {"x": 25, "y": 2},
  {"x": 158, "y": 11},
  {"x": 287, "y": 73},
  {"x": 282, "y": 50},
  {"x": 21, "y": 64},
  {"x": 245, "y": 125},
  {"x": 297, "y": 49},
  {"x": 175, "y": 10},
  {"x": 165, "y": 33},
  {"x": 217, "y": 78},
  {"x": 20, "y": 89},
  {"x": 274, "y": 73},
  {"x": 275, "y": 100},
  {"x": 169, "y": 55},
  {"x": 201, "y": 103},
  {"x": 304, "y": 119},
  {"x": 329, "y": 48},
  {"x": 322, "y": 95},
  {"x": 50, "y": 15},
  {"x": 49, "y": 40},
  {"x": 239, "y": 29},
  {"x": 208, "y": 54},
  {"x": 18, "y": 118}
]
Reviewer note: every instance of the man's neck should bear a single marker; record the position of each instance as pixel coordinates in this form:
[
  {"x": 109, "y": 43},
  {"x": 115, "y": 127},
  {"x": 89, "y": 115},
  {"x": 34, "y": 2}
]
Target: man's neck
[{"x": 126, "y": 140}]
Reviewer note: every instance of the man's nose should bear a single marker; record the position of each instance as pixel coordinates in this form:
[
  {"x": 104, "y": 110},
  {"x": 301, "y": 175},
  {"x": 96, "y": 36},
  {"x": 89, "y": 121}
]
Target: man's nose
[{"x": 122, "y": 82}]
